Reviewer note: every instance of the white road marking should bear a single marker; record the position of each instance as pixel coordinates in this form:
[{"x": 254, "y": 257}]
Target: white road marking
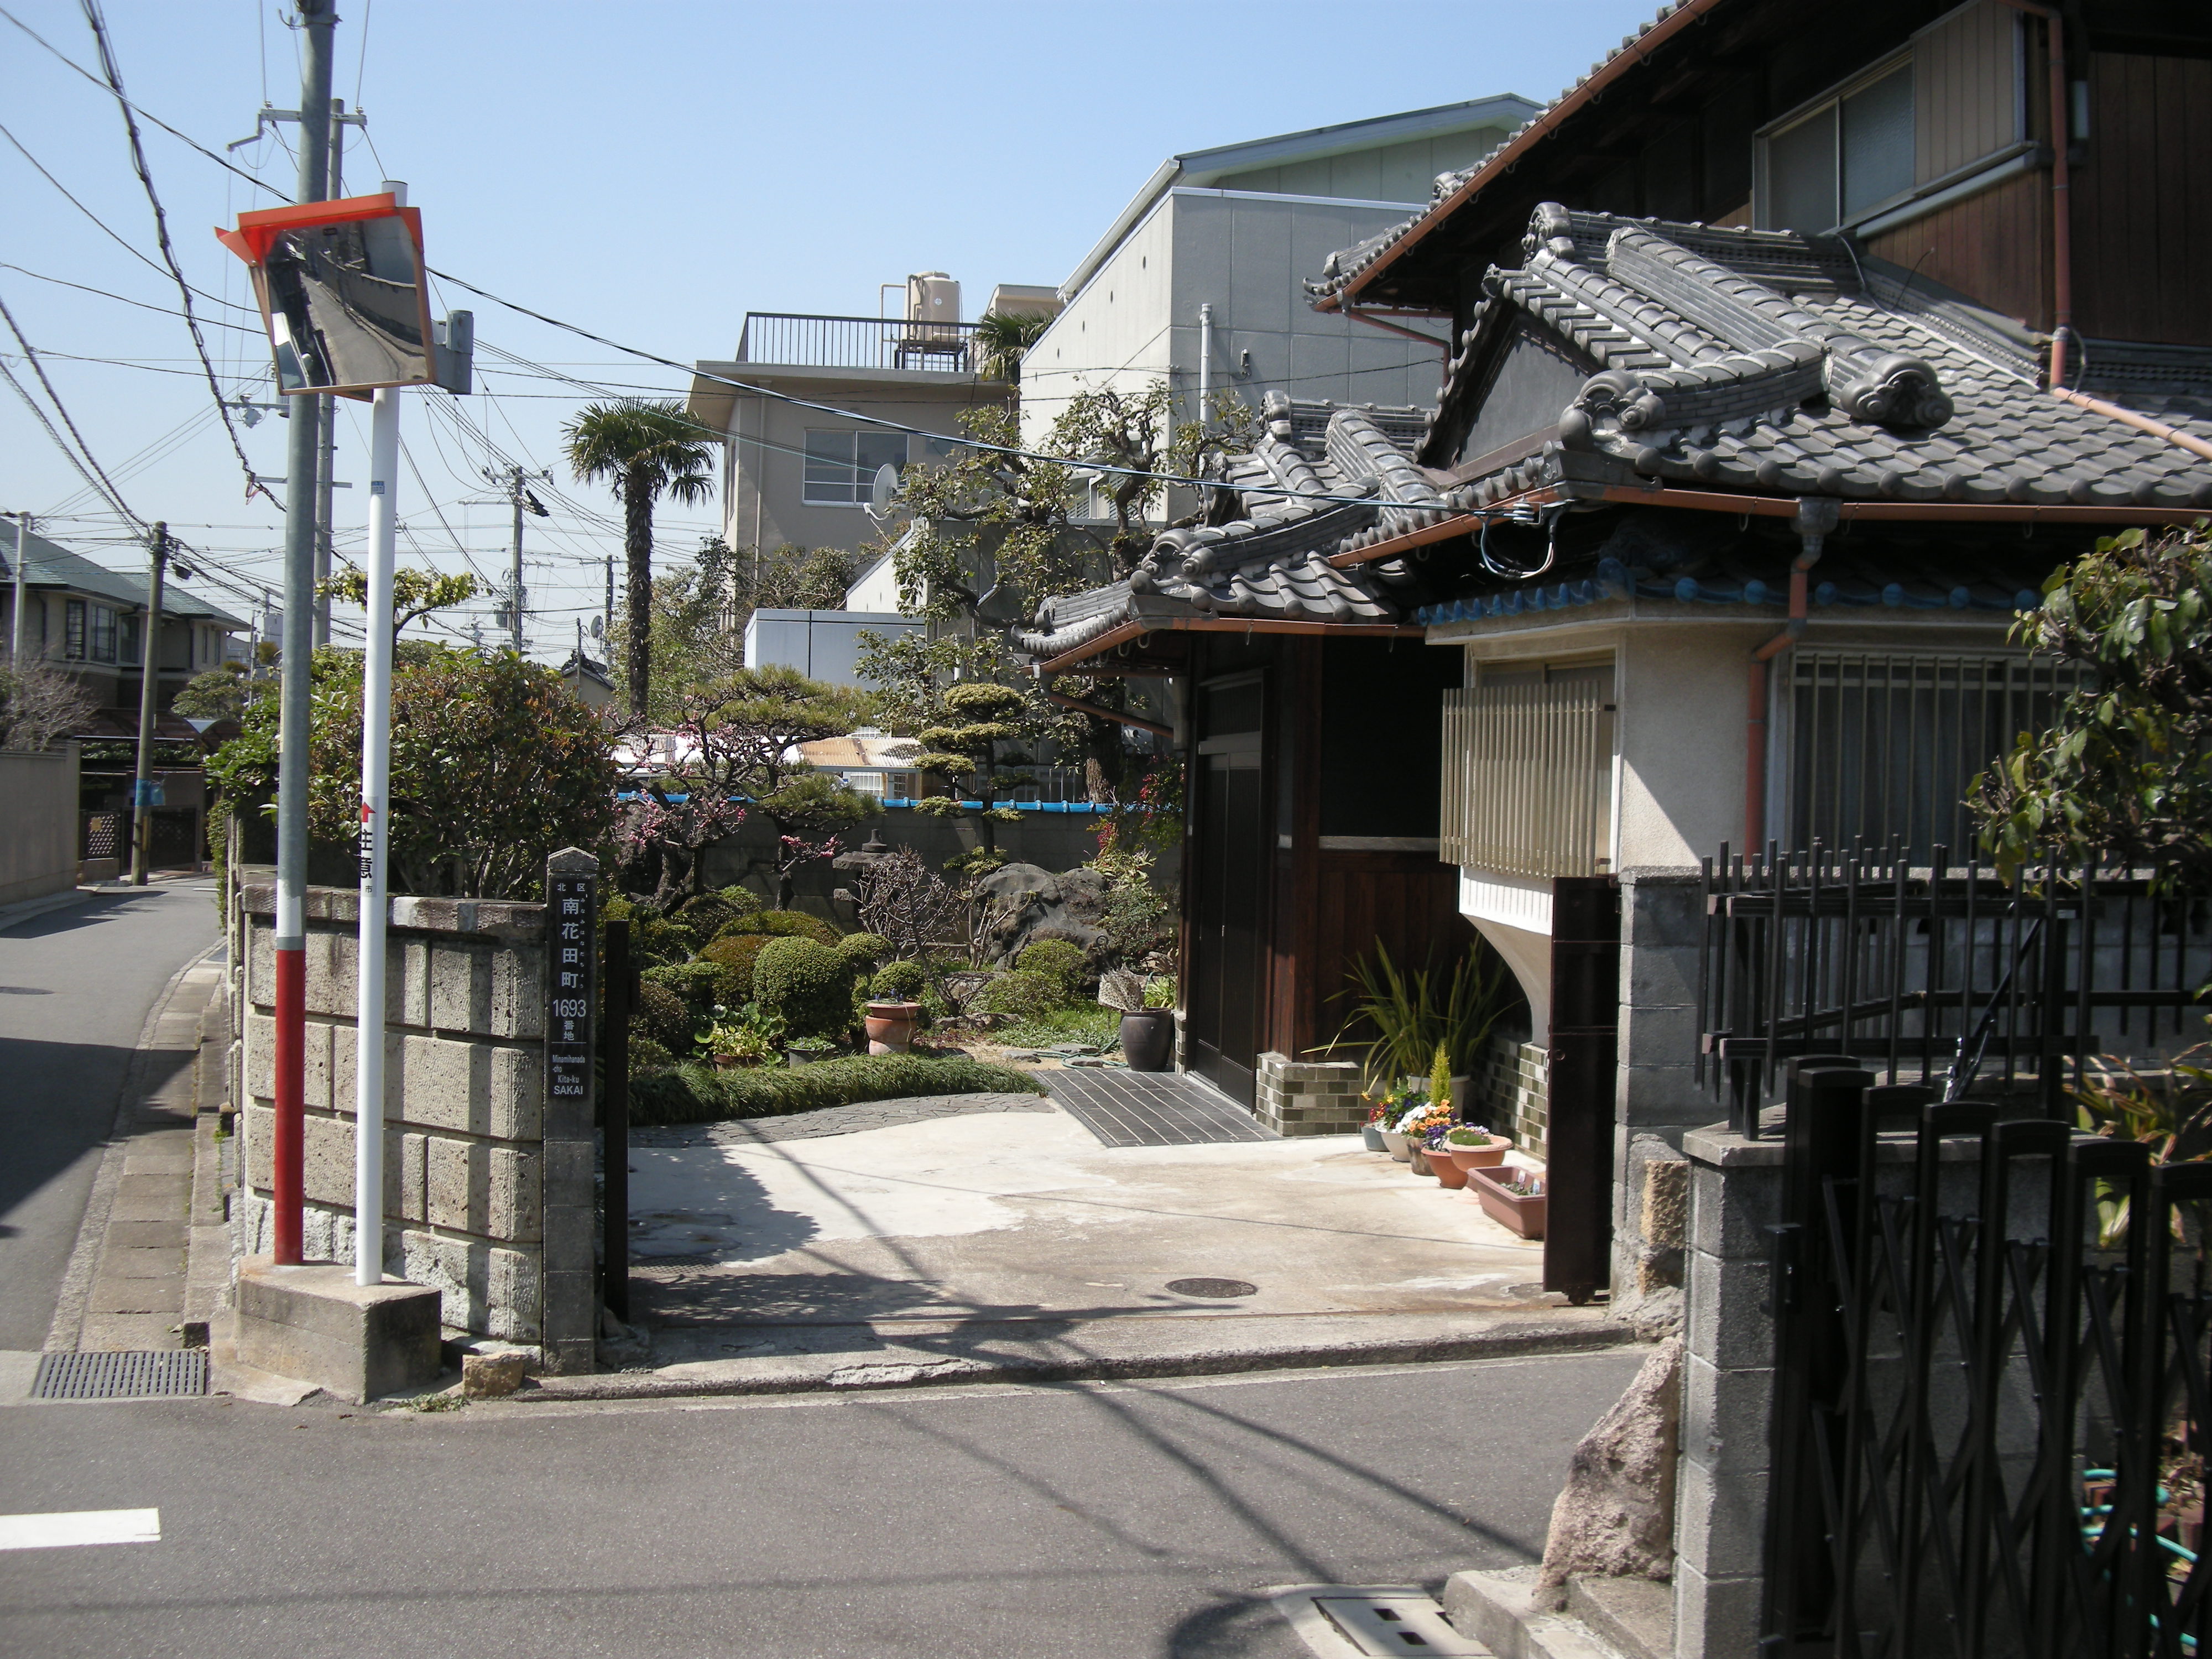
[{"x": 48, "y": 1532}]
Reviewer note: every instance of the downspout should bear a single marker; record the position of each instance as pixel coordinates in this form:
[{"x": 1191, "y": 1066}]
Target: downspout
[
  {"x": 1816, "y": 516},
  {"x": 2061, "y": 229},
  {"x": 1205, "y": 360}
]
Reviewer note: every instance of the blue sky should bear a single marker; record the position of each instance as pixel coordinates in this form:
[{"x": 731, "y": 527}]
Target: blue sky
[{"x": 649, "y": 171}]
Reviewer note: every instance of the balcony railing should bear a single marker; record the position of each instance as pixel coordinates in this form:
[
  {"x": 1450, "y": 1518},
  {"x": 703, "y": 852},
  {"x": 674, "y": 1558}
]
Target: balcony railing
[
  {"x": 1528, "y": 778},
  {"x": 806, "y": 342}
]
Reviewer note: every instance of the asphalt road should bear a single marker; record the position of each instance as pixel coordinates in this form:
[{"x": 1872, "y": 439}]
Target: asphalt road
[
  {"x": 1140, "y": 1520},
  {"x": 74, "y": 987}
]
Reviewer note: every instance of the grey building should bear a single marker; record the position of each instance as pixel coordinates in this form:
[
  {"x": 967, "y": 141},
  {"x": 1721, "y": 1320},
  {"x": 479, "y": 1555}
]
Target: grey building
[{"x": 1200, "y": 279}]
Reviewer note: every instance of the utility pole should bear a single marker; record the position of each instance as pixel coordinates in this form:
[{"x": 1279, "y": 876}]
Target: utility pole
[
  {"x": 16, "y": 625},
  {"x": 149, "y": 643},
  {"x": 518, "y": 494},
  {"x": 608, "y": 613},
  {"x": 327, "y": 415},
  {"x": 317, "y": 18}
]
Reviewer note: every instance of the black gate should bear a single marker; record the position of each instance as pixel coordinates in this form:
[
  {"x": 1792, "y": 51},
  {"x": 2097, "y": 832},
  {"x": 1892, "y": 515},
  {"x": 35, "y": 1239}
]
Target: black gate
[
  {"x": 1581, "y": 1085},
  {"x": 1988, "y": 1424}
]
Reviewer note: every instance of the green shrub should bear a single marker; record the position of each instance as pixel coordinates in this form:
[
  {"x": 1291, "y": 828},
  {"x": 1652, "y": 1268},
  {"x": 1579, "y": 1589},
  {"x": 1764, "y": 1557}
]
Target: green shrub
[
  {"x": 1020, "y": 994},
  {"x": 864, "y": 951},
  {"x": 807, "y": 984},
  {"x": 665, "y": 1017},
  {"x": 741, "y": 899},
  {"x": 706, "y": 914},
  {"x": 699, "y": 1094},
  {"x": 700, "y": 984},
  {"x": 1056, "y": 959},
  {"x": 735, "y": 955},
  {"x": 898, "y": 981},
  {"x": 657, "y": 938},
  {"x": 646, "y": 1055},
  {"x": 781, "y": 924},
  {"x": 1083, "y": 1022}
]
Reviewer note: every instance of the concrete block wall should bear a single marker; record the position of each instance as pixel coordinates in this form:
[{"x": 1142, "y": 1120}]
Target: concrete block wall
[
  {"x": 484, "y": 1198},
  {"x": 38, "y": 822},
  {"x": 1309, "y": 1097},
  {"x": 1658, "y": 1098}
]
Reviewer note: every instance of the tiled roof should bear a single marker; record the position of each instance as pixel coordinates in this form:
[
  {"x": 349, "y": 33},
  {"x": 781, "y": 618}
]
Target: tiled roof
[
  {"x": 47, "y": 564},
  {"x": 1272, "y": 563},
  {"x": 1764, "y": 361}
]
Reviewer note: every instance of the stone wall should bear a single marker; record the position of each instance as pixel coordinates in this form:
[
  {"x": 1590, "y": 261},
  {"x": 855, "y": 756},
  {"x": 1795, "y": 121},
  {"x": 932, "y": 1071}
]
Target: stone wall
[
  {"x": 38, "y": 822},
  {"x": 488, "y": 1196},
  {"x": 1659, "y": 1098},
  {"x": 1309, "y": 1097}
]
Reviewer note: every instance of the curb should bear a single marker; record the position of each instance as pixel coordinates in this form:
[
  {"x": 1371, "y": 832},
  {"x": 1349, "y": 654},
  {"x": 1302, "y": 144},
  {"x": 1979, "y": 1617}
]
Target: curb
[{"x": 1512, "y": 1341}]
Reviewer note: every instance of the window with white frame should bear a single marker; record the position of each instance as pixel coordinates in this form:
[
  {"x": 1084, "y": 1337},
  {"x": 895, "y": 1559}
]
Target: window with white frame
[
  {"x": 1851, "y": 151},
  {"x": 73, "y": 630},
  {"x": 841, "y": 466}
]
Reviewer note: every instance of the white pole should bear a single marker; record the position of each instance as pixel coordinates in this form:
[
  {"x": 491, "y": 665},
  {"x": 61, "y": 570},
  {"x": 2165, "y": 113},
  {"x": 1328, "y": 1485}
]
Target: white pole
[
  {"x": 375, "y": 798},
  {"x": 15, "y": 628}
]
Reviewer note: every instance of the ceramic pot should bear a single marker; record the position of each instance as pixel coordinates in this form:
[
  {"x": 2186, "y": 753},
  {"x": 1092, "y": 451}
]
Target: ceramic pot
[
  {"x": 1417, "y": 1156},
  {"x": 1394, "y": 1144},
  {"x": 1446, "y": 1170},
  {"x": 1515, "y": 1211},
  {"x": 1371, "y": 1138},
  {"x": 807, "y": 1057},
  {"x": 1148, "y": 1039},
  {"x": 1478, "y": 1158},
  {"x": 892, "y": 1026}
]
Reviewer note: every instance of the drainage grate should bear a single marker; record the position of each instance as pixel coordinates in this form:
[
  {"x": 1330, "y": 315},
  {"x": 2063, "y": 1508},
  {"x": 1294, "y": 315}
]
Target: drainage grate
[
  {"x": 1395, "y": 1623},
  {"x": 1220, "y": 1290},
  {"x": 142, "y": 1376}
]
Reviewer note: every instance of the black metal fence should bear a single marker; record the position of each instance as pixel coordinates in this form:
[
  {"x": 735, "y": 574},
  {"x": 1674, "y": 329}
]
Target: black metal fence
[
  {"x": 1938, "y": 975},
  {"x": 1988, "y": 1417}
]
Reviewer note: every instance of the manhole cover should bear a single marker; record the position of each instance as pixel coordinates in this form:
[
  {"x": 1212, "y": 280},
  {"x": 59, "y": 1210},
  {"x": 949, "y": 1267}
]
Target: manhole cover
[
  {"x": 141, "y": 1376},
  {"x": 1220, "y": 1290}
]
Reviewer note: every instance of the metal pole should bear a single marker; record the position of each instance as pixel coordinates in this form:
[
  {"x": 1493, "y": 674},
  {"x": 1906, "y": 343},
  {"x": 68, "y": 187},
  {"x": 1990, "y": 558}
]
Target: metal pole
[
  {"x": 608, "y": 614},
  {"x": 150, "y": 653},
  {"x": 514, "y": 592},
  {"x": 286, "y": 1169},
  {"x": 15, "y": 626},
  {"x": 1204, "y": 360},
  {"x": 375, "y": 798}
]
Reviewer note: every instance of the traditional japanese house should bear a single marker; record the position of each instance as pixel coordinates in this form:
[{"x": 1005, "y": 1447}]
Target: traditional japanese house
[{"x": 1783, "y": 359}]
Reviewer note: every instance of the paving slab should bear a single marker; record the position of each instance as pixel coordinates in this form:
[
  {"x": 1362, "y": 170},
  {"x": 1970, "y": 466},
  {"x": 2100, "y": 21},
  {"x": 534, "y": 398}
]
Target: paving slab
[{"x": 1013, "y": 1242}]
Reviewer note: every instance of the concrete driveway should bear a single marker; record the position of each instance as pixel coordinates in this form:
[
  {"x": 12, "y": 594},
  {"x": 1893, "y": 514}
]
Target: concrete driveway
[{"x": 1019, "y": 1227}]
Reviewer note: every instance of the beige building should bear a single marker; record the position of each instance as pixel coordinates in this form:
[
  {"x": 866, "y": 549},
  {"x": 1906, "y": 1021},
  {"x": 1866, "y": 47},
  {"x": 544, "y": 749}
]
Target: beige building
[{"x": 802, "y": 478}]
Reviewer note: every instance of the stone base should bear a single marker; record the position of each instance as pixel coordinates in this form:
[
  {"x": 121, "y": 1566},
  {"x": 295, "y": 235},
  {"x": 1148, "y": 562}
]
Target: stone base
[
  {"x": 357, "y": 1341},
  {"x": 1309, "y": 1097}
]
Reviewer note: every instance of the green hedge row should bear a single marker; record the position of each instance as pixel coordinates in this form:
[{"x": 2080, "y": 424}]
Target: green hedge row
[{"x": 700, "y": 1094}]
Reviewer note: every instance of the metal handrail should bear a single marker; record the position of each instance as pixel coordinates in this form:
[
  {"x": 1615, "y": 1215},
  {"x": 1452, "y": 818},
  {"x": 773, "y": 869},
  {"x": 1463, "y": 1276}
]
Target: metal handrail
[{"x": 812, "y": 340}]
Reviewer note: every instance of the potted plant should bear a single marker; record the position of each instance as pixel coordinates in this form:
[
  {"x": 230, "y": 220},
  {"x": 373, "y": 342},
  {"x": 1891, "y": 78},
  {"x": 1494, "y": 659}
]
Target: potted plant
[
  {"x": 1418, "y": 1125},
  {"x": 890, "y": 1026},
  {"x": 1513, "y": 1198},
  {"x": 1370, "y": 1132},
  {"x": 1442, "y": 1165},
  {"x": 1147, "y": 1010},
  {"x": 804, "y": 1051},
  {"x": 1398, "y": 1104},
  {"x": 1471, "y": 1147},
  {"x": 749, "y": 1036}
]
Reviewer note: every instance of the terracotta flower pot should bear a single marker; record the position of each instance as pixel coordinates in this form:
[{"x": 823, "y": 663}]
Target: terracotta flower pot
[
  {"x": 1148, "y": 1039},
  {"x": 1394, "y": 1144},
  {"x": 1478, "y": 1158},
  {"x": 1446, "y": 1169},
  {"x": 892, "y": 1026},
  {"x": 1517, "y": 1213}
]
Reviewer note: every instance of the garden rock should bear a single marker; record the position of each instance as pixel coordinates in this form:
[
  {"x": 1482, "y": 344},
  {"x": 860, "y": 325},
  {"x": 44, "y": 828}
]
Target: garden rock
[
  {"x": 1615, "y": 1516},
  {"x": 1033, "y": 904}
]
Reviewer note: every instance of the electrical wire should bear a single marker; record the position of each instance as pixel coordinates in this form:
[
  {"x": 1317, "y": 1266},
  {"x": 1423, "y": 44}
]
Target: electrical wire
[
  {"x": 114, "y": 496},
  {"x": 114, "y": 73},
  {"x": 62, "y": 282}
]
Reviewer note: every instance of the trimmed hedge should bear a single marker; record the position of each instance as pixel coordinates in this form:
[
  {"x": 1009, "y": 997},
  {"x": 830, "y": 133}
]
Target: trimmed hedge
[
  {"x": 863, "y": 951},
  {"x": 1021, "y": 994},
  {"x": 735, "y": 955},
  {"x": 699, "y": 1094},
  {"x": 898, "y": 980},
  {"x": 807, "y": 983},
  {"x": 1056, "y": 958},
  {"x": 781, "y": 924},
  {"x": 665, "y": 1017},
  {"x": 700, "y": 984}
]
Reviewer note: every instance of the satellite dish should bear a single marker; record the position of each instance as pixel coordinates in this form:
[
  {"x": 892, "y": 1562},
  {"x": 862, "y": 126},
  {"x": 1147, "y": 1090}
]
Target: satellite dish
[{"x": 883, "y": 492}]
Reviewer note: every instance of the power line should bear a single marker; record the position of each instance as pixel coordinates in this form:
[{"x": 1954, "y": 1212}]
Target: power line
[
  {"x": 114, "y": 73},
  {"x": 189, "y": 143},
  {"x": 114, "y": 495},
  {"x": 62, "y": 282}
]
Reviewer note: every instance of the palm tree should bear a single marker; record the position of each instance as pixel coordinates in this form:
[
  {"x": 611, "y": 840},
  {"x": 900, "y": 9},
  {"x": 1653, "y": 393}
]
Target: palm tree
[
  {"x": 1001, "y": 338},
  {"x": 644, "y": 450}
]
